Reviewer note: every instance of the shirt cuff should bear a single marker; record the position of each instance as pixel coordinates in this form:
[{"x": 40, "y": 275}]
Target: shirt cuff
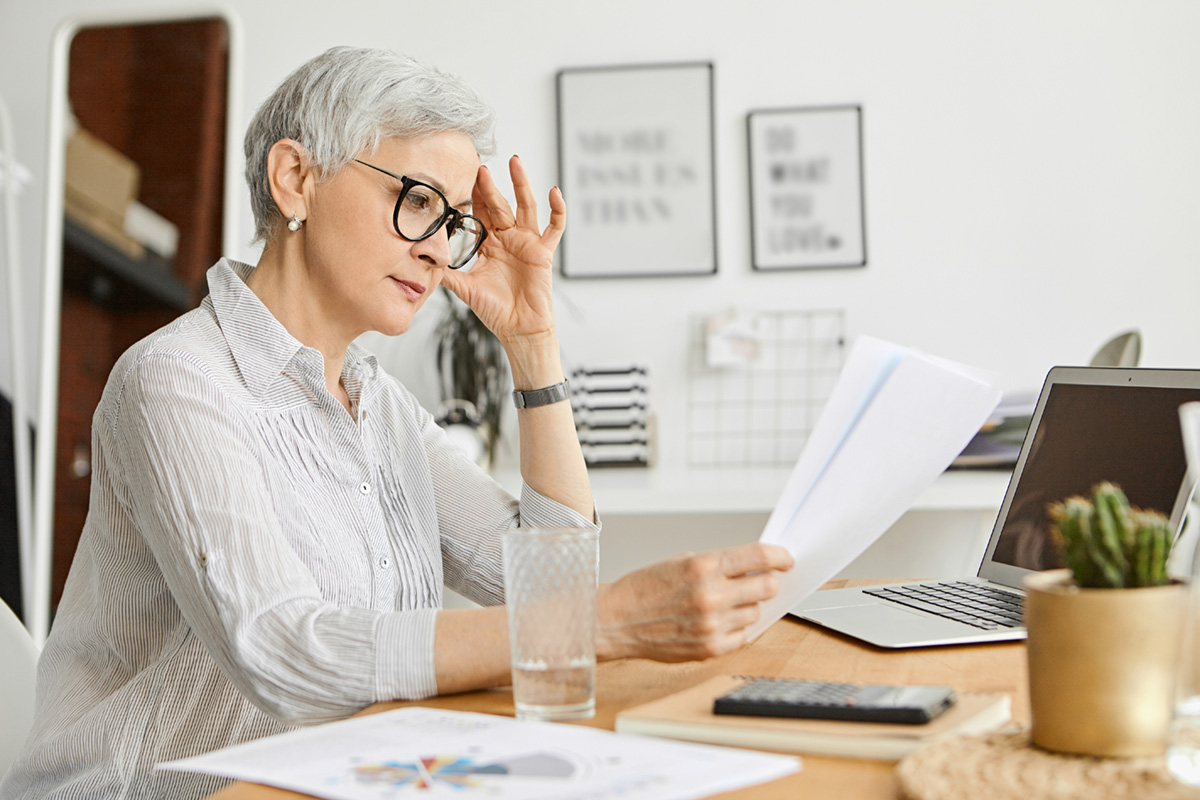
[
  {"x": 537, "y": 510},
  {"x": 404, "y": 655}
]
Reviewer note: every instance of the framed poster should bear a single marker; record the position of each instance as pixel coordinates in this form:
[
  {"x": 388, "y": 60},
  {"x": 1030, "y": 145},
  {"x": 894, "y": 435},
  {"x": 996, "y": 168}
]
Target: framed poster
[
  {"x": 806, "y": 188},
  {"x": 635, "y": 149}
]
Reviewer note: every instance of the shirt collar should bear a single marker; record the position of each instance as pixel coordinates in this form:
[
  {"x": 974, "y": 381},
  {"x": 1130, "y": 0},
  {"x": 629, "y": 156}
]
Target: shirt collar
[{"x": 261, "y": 347}]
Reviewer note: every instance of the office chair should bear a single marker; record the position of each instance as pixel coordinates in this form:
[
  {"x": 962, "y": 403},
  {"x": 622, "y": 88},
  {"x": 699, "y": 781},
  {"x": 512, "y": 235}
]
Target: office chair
[
  {"x": 18, "y": 666},
  {"x": 1122, "y": 350}
]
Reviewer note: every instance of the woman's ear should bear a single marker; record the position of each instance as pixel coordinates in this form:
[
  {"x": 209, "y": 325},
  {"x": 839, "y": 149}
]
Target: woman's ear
[{"x": 289, "y": 174}]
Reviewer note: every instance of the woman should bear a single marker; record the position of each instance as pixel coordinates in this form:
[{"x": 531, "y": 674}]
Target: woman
[{"x": 272, "y": 516}]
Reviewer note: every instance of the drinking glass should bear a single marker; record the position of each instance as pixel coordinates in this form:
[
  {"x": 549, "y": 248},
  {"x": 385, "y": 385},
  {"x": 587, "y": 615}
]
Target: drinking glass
[
  {"x": 550, "y": 577},
  {"x": 1183, "y": 749}
]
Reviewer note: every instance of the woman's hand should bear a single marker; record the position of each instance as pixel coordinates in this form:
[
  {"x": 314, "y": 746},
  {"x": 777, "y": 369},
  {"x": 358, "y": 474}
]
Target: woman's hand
[
  {"x": 688, "y": 608},
  {"x": 509, "y": 286}
]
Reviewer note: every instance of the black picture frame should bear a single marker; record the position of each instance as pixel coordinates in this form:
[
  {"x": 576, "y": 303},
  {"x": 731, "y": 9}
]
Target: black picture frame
[
  {"x": 637, "y": 168},
  {"x": 807, "y": 208}
]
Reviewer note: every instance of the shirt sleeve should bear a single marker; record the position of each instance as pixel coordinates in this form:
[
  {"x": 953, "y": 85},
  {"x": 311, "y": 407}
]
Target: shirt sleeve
[
  {"x": 190, "y": 479},
  {"x": 473, "y": 509}
]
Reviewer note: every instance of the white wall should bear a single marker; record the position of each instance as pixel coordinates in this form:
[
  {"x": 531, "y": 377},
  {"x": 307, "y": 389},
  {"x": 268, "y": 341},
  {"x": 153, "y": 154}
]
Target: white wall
[{"x": 1032, "y": 169}]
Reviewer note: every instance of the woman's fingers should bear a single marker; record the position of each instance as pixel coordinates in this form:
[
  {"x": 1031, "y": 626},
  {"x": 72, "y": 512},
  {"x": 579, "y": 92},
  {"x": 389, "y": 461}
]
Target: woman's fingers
[
  {"x": 527, "y": 208},
  {"x": 489, "y": 204},
  {"x": 730, "y": 599},
  {"x": 558, "y": 220},
  {"x": 526, "y": 202},
  {"x": 497, "y": 216},
  {"x": 693, "y": 606},
  {"x": 734, "y": 577},
  {"x": 754, "y": 557},
  {"x": 752, "y": 589},
  {"x": 493, "y": 209},
  {"x": 457, "y": 281},
  {"x": 722, "y": 633}
]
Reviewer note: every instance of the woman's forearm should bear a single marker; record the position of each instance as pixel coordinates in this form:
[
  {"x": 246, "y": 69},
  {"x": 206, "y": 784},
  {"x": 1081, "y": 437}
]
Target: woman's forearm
[
  {"x": 551, "y": 459},
  {"x": 471, "y": 650}
]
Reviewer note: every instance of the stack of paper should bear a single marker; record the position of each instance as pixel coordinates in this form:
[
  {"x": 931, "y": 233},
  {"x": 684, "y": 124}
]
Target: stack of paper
[
  {"x": 893, "y": 423},
  {"x": 998, "y": 442}
]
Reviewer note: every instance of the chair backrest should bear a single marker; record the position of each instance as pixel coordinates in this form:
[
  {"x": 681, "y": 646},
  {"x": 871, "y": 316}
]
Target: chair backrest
[{"x": 18, "y": 667}]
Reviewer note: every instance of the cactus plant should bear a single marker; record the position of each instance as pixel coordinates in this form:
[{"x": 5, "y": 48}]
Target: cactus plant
[{"x": 1109, "y": 545}]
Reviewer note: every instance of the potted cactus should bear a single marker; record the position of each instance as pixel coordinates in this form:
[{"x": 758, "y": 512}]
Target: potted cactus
[
  {"x": 1109, "y": 545},
  {"x": 1104, "y": 634}
]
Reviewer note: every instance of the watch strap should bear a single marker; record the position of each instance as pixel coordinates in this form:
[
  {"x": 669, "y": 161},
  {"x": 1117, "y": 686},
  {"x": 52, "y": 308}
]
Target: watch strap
[{"x": 554, "y": 393}]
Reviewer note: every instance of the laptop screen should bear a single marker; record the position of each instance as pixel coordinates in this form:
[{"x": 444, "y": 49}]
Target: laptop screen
[{"x": 1087, "y": 433}]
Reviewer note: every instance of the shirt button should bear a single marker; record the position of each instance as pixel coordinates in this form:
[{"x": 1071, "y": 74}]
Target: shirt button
[
  {"x": 364, "y": 487},
  {"x": 385, "y": 562}
]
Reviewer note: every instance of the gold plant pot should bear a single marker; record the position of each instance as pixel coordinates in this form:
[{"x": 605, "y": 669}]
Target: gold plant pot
[{"x": 1101, "y": 665}]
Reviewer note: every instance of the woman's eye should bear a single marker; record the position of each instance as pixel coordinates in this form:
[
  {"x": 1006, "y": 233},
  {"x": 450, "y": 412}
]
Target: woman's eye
[{"x": 418, "y": 200}]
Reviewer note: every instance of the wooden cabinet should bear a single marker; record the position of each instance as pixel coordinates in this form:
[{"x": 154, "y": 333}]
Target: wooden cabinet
[{"x": 157, "y": 93}]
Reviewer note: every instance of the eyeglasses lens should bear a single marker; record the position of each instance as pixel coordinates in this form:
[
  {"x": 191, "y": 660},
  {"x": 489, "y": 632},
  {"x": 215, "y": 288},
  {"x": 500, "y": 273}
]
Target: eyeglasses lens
[
  {"x": 423, "y": 210},
  {"x": 420, "y": 212},
  {"x": 465, "y": 240}
]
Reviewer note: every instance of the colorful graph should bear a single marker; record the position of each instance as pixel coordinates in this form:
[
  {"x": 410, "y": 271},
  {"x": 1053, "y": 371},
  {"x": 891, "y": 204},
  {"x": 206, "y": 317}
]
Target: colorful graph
[{"x": 460, "y": 772}]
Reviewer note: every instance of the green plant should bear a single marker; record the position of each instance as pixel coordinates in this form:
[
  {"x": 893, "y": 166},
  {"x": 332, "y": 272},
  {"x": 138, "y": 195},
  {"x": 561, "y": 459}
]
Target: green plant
[
  {"x": 472, "y": 366},
  {"x": 1109, "y": 545}
]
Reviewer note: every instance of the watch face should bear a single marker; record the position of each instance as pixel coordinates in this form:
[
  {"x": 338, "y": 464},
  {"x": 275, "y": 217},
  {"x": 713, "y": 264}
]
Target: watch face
[{"x": 467, "y": 438}]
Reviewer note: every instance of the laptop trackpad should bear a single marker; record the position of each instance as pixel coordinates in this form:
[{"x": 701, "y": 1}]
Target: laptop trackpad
[{"x": 885, "y": 624}]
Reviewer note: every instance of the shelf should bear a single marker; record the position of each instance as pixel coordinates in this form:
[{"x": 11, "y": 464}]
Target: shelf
[
  {"x": 754, "y": 490},
  {"x": 115, "y": 280}
]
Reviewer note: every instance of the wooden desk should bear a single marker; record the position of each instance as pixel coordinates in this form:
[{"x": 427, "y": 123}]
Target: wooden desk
[{"x": 788, "y": 649}]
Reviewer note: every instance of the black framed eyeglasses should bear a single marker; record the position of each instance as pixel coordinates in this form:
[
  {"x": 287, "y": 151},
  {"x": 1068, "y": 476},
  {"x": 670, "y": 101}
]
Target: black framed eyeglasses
[{"x": 421, "y": 211}]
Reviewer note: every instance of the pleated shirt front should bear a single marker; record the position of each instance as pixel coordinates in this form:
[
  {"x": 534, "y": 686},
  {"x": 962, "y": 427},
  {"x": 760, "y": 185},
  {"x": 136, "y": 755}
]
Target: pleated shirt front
[{"x": 254, "y": 557}]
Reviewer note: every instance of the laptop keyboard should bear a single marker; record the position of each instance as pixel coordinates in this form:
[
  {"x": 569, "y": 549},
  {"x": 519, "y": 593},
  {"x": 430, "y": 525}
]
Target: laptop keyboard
[{"x": 982, "y": 606}]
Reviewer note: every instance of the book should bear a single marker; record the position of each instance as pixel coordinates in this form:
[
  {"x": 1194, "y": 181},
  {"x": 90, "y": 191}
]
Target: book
[{"x": 687, "y": 715}]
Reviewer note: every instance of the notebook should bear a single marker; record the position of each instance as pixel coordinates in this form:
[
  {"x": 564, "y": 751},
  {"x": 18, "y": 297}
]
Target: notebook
[
  {"x": 1090, "y": 424},
  {"x": 688, "y": 715}
]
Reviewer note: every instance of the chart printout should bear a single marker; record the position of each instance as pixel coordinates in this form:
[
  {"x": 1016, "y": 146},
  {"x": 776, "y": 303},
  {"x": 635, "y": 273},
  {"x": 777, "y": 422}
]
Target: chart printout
[{"x": 429, "y": 753}]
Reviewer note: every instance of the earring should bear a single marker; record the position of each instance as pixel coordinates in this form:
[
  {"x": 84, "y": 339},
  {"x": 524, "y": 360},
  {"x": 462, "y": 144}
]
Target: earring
[{"x": 294, "y": 223}]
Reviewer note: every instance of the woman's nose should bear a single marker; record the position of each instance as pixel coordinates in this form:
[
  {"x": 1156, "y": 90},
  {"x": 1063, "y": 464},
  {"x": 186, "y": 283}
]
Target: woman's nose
[{"x": 435, "y": 249}]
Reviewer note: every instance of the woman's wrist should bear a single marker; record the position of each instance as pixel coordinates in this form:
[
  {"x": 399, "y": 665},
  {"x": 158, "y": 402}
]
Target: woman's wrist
[
  {"x": 534, "y": 360},
  {"x": 610, "y": 645}
]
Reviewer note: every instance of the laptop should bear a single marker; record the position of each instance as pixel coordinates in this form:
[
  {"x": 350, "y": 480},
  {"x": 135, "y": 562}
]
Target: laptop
[{"x": 1090, "y": 424}]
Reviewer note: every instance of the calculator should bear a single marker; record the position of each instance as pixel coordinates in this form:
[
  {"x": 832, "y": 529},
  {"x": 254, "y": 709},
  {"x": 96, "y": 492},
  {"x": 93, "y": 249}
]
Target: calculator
[{"x": 783, "y": 697}]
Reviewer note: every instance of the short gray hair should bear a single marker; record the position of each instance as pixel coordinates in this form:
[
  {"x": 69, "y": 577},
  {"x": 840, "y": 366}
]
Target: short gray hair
[{"x": 348, "y": 100}]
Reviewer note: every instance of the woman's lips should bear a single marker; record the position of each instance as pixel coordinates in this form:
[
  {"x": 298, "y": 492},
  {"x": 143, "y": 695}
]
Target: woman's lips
[{"x": 411, "y": 289}]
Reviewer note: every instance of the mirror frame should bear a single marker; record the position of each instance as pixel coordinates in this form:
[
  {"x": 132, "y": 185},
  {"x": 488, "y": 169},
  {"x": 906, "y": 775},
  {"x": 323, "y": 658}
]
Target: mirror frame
[{"x": 36, "y": 585}]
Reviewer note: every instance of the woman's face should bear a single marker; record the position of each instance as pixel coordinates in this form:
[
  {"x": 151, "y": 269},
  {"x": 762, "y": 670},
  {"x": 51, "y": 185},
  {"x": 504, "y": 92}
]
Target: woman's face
[{"x": 370, "y": 278}]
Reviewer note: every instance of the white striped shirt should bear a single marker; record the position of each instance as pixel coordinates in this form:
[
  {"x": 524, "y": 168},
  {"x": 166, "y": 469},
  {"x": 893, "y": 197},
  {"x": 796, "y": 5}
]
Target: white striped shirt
[{"x": 255, "y": 557}]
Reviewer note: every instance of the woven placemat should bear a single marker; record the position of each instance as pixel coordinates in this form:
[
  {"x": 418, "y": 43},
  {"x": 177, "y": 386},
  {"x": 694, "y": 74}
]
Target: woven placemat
[{"x": 1005, "y": 766}]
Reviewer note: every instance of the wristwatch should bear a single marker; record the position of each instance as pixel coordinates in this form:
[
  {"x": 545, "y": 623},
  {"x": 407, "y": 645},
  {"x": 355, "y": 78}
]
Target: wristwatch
[{"x": 553, "y": 393}]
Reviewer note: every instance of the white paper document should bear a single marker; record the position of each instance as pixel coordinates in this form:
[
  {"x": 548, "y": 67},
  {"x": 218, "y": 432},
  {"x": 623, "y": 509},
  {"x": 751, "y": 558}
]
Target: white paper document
[
  {"x": 429, "y": 753},
  {"x": 893, "y": 423}
]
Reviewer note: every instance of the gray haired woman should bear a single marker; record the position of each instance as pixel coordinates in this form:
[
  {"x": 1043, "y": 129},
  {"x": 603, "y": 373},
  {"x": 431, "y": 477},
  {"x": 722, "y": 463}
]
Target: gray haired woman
[{"x": 273, "y": 516}]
